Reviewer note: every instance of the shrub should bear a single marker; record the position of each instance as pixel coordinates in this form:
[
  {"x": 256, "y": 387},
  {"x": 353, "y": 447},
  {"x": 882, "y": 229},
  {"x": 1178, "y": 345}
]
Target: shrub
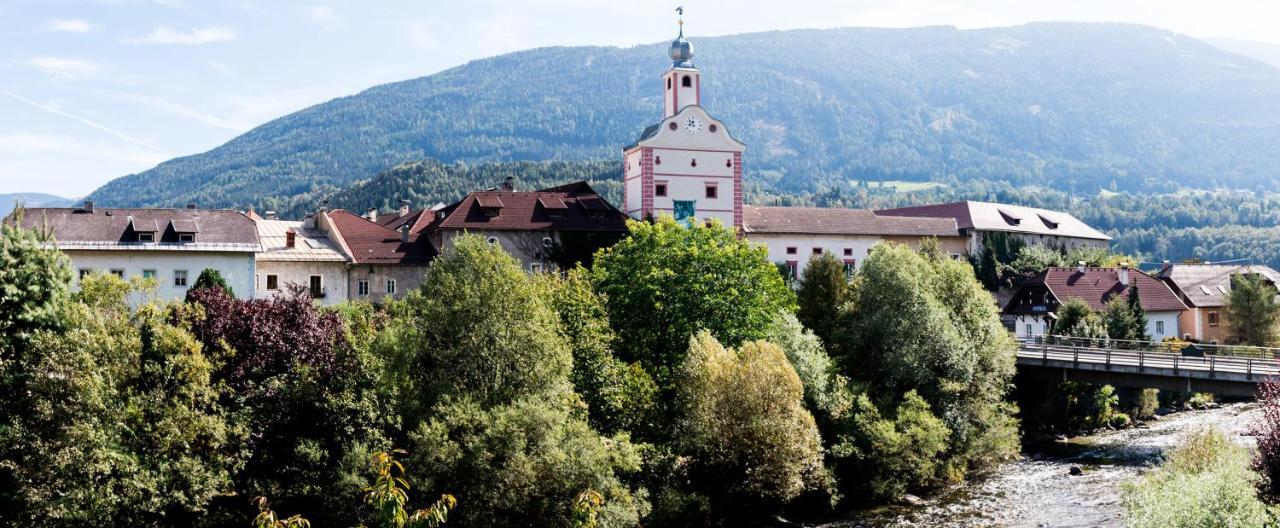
[
  {"x": 1267, "y": 429},
  {"x": 889, "y": 455},
  {"x": 820, "y": 293},
  {"x": 1205, "y": 482}
]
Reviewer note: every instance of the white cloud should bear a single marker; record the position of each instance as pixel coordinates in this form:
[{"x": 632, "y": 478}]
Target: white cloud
[
  {"x": 71, "y": 25},
  {"x": 195, "y": 37},
  {"x": 177, "y": 109},
  {"x": 65, "y": 68}
]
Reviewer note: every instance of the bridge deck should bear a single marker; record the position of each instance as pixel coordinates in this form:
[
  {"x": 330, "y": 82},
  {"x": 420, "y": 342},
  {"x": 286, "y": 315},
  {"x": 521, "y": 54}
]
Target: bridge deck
[{"x": 1140, "y": 368}]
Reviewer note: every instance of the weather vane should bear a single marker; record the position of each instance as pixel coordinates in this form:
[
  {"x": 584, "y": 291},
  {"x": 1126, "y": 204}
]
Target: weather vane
[{"x": 680, "y": 19}]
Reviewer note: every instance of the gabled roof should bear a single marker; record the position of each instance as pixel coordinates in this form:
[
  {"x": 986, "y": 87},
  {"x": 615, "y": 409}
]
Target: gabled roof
[
  {"x": 584, "y": 210},
  {"x": 1206, "y": 285},
  {"x": 1097, "y": 286},
  {"x": 831, "y": 221},
  {"x": 112, "y": 228},
  {"x": 309, "y": 244},
  {"x": 371, "y": 243},
  {"x": 987, "y": 216}
]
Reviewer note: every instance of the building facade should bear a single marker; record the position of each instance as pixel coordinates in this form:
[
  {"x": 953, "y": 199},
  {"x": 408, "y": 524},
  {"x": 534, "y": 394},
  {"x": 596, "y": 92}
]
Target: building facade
[
  {"x": 385, "y": 262},
  {"x": 171, "y": 246},
  {"x": 794, "y": 235},
  {"x": 297, "y": 253},
  {"x": 1204, "y": 289},
  {"x": 687, "y": 165}
]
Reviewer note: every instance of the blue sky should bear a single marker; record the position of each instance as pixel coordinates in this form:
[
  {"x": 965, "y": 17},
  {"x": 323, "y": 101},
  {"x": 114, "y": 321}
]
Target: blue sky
[{"x": 92, "y": 90}]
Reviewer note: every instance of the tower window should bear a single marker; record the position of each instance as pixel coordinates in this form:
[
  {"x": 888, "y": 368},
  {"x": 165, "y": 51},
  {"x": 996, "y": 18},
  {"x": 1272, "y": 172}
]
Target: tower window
[
  {"x": 658, "y": 160},
  {"x": 693, "y": 162},
  {"x": 668, "y": 83},
  {"x": 660, "y": 189},
  {"x": 712, "y": 190},
  {"x": 713, "y": 128},
  {"x": 672, "y": 126},
  {"x": 728, "y": 163},
  {"x": 686, "y": 82}
]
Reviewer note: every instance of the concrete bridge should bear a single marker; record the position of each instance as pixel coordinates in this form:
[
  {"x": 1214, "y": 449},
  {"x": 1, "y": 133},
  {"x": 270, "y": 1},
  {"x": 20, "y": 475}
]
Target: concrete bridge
[{"x": 1229, "y": 371}]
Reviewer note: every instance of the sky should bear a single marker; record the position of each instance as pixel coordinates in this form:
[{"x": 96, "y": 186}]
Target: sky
[{"x": 92, "y": 90}]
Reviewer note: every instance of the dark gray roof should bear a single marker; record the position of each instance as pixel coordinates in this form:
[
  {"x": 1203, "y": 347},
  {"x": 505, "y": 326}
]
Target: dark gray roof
[
  {"x": 111, "y": 228},
  {"x": 1206, "y": 285},
  {"x": 649, "y": 132}
]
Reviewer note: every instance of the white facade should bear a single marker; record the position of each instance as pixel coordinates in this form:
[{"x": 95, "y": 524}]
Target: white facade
[
  {"x": 796, "y": 250},
  {"x": 175, "y": 271},
  {"x": 1160, "y": 325},
  {"x": 299, "y": 253},
  {"x": 273, "y": 277}
]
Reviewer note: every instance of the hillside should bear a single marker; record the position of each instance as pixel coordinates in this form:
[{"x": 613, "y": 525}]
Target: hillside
[
  {"x": 1072, "y": 106},
  {"x": 9, "y": 201},
  {"x": 1263, "y": 51}
]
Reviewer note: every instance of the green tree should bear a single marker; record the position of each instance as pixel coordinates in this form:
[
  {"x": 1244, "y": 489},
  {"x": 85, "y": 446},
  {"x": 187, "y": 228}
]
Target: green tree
[
  {"x": 619, "y": 396},
  {"x": 521, "y": 464},
  {"x": 481, "y": 327},
  {"x": 211, "y": 278},
  {"x": 666, "y": 281},
  {"x": 1252, "y": 311},
  {"x": 1119, "y": 320},
  {"x": 130, "y": 432},
  {"x": 744, "y": 424},
  {"x": 1034, "y": 259},
  {"x": 1139, "y": 315},
  {"x": 923, "y": 323},
  {"x": 820, "y": 293},
  {"x": 890, "y": 455},
  {"x": 34, "y": 284},
  {"x": 1077, "y": 319},
  {"x": 826, "y": 391}
]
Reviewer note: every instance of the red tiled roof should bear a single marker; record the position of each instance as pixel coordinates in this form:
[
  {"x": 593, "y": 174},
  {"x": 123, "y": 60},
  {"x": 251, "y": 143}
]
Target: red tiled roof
[
  {"x": 1096, "y": 286},
  {"x": 583, "y": 210},
  {"x": 810, "y": 220},
  {"x": 371, "y": 243}
]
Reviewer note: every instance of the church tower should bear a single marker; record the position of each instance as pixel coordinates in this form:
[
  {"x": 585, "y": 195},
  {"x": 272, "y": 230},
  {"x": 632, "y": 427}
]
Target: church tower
[{"x": 686, "y": 165}]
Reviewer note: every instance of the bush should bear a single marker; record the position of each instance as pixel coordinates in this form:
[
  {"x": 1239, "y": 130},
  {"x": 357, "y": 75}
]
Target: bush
[
  {"x": 889, "y": 455},
  {"x": 1267, "y": 429},
  {"x": 523, "y": 464},
  {"x": 1205, "y": 482},
  {"x": 744, "y": 425}
]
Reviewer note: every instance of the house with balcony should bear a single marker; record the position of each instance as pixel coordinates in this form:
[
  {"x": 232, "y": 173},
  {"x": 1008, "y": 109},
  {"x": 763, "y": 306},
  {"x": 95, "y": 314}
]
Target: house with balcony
[
  {"x": 299, "y": 253},
  {"x": 1204, "y": 289},
  {"x": 1034, "y": 304}
]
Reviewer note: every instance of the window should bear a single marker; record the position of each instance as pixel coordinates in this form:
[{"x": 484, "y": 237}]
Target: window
[
  {"x": 693, "y": 162},
  {"x": 316, "y": 285},
  {"x": 186, "y": 237},
  {"x": 492, "y": 240},
  {"x": 850, "y": 266},
  {"x": 848, "y": 252},
  {"x": 535, "y": 267},
  {"x": 391, "y": 286},
  {"x": 148, "y": 274},
  {"x": 793, "y": 269},
  {"x": 1213, "y": 318},
  {"x": 547, "y": 242},
  {"x": 146, "y": 237},
  {"x": 362, "y": 287},
  {"x": 657, "y": 160},
  {"x": 791, "y": 250},
  {"x": 713, "y": 128},
  {"x": 668, "y": 83},
  {"x": 1160, "y": 327},
  {"x": 273, "y": 282},
  {"x": 117, "y": 272},
  {"x": 180, "y": 278},
  {"x": 85, "y": 272},
  {"x": 660, "y": 189},
  {"x": 1029, "y": 332},
  {"x": 817, "y": 251},
  {"x": 686, "y": 82},
  {"x": 712, "y": 190}
]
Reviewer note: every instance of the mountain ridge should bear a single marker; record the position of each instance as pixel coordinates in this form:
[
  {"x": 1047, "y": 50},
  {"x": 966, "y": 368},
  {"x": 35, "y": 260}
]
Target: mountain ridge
[{"x": 1075, "y": 106}]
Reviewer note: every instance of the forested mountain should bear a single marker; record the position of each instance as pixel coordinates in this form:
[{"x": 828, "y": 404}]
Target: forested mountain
[{"x": 1077, "y": 107}]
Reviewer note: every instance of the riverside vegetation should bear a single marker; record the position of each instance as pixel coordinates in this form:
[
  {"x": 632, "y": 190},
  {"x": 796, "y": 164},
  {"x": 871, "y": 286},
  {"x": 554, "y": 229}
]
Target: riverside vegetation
[
  {"x": 671, "y": 384},
  {"x": 678, "y": 382}
]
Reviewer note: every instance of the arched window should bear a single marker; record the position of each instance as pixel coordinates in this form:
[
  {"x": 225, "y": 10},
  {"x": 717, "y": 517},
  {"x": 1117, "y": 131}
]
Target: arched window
[
  {"x": 686, "y": 82},
  {"x": 657, "y": 160},
  {"x": 668, "y": 83},
  {"x": 693, "y": 162}
]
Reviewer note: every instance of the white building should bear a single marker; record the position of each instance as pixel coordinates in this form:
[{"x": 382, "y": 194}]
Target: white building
[
  {"x": 687, "y": 165},
  {"x": 1029, "y": 225},
  {"x": 170, "y": 245},
  {"x": 298, "y": 253},
  {"x": 794, "y": 235}
]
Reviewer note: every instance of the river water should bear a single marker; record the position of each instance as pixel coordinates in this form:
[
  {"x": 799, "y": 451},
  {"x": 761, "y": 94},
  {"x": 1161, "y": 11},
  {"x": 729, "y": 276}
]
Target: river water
[{"x": 1038, "y": 490}]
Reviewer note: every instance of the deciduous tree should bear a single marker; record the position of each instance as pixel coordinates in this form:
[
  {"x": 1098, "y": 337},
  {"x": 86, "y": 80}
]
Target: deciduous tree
[{"x": 1252, "y": 311}]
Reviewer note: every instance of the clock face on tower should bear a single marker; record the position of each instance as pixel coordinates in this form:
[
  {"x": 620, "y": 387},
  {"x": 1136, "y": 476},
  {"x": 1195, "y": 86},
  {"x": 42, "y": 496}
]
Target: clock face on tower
[{"x": 693, "y": 125}]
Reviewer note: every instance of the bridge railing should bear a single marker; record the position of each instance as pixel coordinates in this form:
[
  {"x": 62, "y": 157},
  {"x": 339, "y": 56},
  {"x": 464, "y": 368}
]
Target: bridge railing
[{"x": 1183, "y": 348}]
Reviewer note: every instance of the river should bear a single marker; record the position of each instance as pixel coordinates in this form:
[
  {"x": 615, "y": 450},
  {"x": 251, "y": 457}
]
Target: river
[{"x": 1038, "y": 490}]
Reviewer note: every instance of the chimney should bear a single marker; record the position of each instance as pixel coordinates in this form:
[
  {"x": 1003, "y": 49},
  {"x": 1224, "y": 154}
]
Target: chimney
[
  {"x": 191, "y": 206},
  {"x": 1165, "y": 265},
  {"x": 372, "y": 214},
  {"x": 1080, "y": 266},
  {"x": 324, "y": 205},
  {"x": 269, "y": 215},
  {"x": 1124, "y": 273},
  {"x": 88, "y": 206},
  {"x": 309, "y": 222},
  {"x": 290, "y": 238},
  {"x": 509, "y": 184},
  {"x": 404, "y": 232},
  {"x": 404, "y": 208}
]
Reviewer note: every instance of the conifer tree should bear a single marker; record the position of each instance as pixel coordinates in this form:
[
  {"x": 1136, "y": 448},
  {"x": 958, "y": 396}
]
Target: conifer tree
[
  {"x": 820, "y": 293},
  {"x": 1252, "y": 311},
  {"x": 1139, "y": 331}
]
